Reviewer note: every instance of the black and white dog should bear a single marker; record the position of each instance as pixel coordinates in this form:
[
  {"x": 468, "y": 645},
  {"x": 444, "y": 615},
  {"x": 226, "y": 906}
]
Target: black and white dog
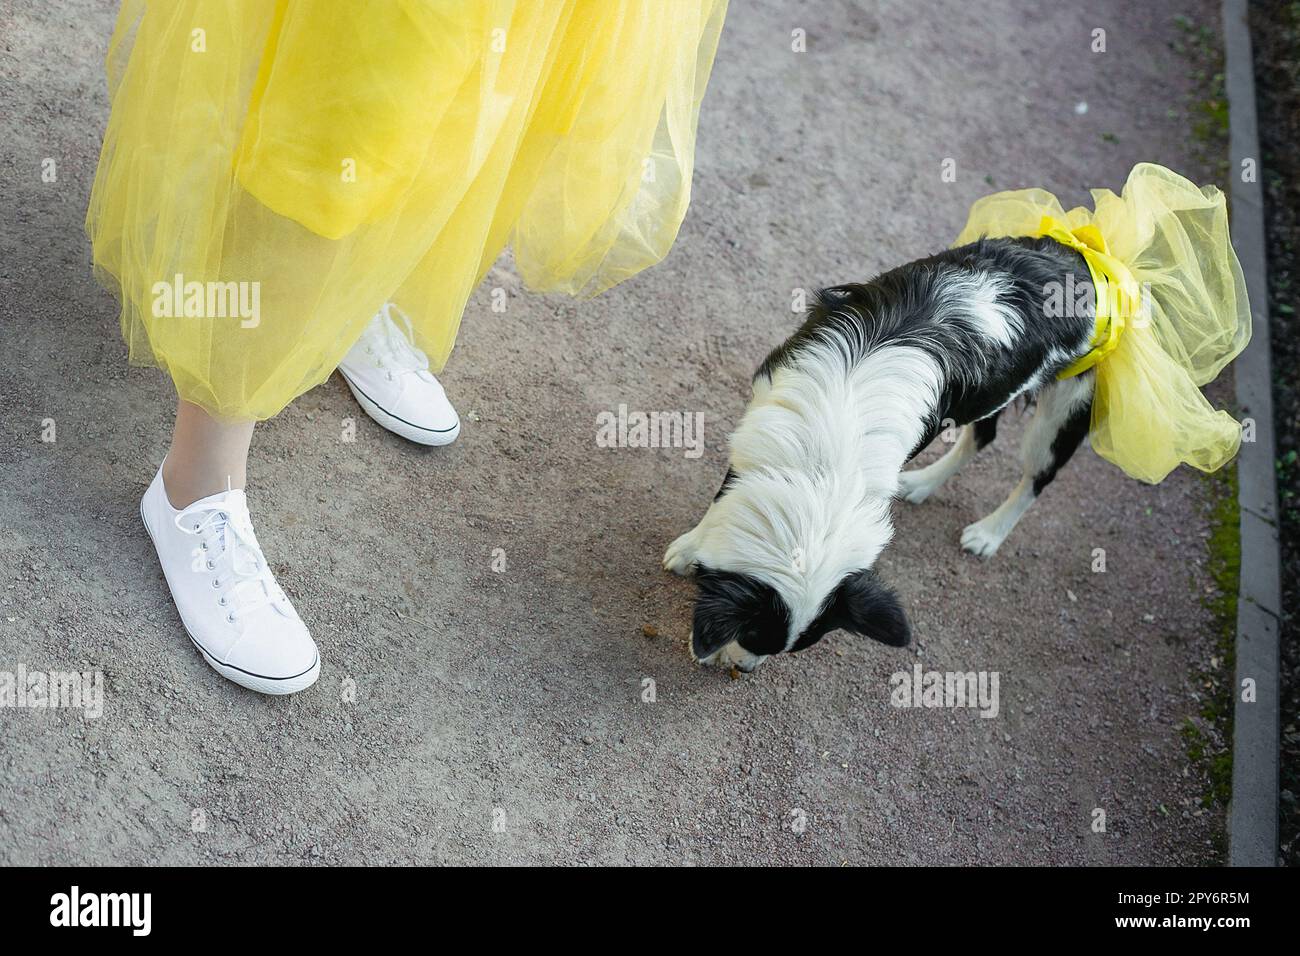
[{"x": 784, "y": 554}]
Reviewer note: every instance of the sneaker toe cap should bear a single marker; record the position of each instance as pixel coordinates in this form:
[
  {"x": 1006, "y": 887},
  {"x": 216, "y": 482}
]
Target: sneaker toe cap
[
  {"x": 426, "y": 407},
  {"x": 274, "y": 648}
]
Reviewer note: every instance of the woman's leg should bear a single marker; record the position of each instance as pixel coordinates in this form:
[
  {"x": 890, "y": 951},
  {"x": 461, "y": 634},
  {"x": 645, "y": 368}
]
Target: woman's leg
[
  {"x": 197, "y": 516},
  {"x": 207, "y": 456}
]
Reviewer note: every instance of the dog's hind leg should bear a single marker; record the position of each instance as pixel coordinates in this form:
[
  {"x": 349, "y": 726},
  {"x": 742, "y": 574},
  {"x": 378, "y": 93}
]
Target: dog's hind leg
[
  {"x": 916, "y": 486},
  {"x": 1059, "y": 425}
]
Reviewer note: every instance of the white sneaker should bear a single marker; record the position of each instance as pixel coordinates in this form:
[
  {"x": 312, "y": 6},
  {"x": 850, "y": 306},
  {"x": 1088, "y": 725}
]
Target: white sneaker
[
  {"x": 228, "y": 600},
  {"x": 390, "y": 377}
]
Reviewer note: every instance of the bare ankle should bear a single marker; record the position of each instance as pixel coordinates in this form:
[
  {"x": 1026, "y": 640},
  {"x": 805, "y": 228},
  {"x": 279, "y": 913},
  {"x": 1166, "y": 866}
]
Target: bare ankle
[
  {"x": 183, "y": 487},
  {"x": 207, "y": 456}
]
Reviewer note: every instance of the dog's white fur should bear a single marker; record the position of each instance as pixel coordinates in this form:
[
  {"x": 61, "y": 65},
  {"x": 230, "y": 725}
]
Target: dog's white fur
[
  {"x": 817, "y": 458},
  {"x": 979, "y": 296}
]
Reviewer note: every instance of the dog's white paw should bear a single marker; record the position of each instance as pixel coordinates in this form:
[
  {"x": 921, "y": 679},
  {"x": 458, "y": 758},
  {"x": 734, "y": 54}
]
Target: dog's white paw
[
  {"x": 982, "y": 539},
  {"x": 913, "y": 488},
  {"x": 680, "y": 556}
]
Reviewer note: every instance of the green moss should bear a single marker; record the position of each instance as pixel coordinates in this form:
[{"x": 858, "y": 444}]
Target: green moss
[
  {"x": 1225, "y": 549},
  {"x": 1208, "y": 111},
  {"x": 1208, "y": 737}
]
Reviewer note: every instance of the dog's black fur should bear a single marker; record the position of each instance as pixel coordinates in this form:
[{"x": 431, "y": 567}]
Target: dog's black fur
[{"x": 898, "y": 308}]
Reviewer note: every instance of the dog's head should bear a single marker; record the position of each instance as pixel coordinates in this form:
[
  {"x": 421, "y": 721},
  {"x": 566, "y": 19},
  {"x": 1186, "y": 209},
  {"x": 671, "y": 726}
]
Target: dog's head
[
  {"x": 739, "y": 620},
  {"x": 782, "y": 559}
]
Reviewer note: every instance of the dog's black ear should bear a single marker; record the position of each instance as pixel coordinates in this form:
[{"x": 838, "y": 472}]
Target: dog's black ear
[
  {"x": 735, "y": 607},
  {"x": 712, "y": 628},
  {"x": 866, "y": 606}
]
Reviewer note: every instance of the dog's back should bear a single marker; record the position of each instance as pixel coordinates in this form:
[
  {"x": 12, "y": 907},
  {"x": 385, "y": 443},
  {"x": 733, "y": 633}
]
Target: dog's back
[{"x": 1000, "y": 317}]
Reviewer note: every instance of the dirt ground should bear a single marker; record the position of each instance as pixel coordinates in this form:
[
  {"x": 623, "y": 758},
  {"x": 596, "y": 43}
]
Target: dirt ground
[{"x": 467, "y": 714}]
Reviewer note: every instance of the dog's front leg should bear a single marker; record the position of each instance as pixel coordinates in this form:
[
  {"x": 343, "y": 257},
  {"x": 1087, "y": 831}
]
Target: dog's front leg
[
  {"x": 680, "y": 558},
  {"x": 917, "y": 485},
  {"x": 683, "y": 554}
]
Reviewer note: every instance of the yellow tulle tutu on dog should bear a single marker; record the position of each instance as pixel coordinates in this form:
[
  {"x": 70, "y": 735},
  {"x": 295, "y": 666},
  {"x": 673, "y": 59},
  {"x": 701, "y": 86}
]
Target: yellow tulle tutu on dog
[
  {"x": 274, "y": 170},
  {"x": 1171, "y": 312}
]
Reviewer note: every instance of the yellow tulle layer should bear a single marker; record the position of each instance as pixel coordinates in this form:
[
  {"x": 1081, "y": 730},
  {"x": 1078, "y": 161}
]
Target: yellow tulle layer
[
  {"x": 1192, "y": 318},
  {"x": 307, "y": 160}
]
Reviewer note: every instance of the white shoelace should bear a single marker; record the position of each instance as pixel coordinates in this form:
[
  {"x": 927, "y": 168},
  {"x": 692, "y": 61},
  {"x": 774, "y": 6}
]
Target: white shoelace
[
  {"x": 393, "y": 350},
  {"x": 227, "y": 544}
]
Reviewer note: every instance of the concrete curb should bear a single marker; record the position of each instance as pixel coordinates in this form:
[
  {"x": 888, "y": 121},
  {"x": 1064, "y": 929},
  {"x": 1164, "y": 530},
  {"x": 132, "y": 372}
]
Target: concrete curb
[{"x": 1252, "y": 815}]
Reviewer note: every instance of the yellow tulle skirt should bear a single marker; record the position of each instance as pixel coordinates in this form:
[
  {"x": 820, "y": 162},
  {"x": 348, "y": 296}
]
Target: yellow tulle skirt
[
  {"x": 274, "y": 170},
  {"x": 1190, "y": 316}
]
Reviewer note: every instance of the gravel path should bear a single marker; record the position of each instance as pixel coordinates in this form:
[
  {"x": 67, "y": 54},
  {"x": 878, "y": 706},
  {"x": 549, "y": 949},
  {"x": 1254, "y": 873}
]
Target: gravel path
[{"x": 470, "y": 715}]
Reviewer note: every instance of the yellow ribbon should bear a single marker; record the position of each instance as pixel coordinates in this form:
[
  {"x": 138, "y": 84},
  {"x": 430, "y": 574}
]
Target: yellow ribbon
[{"x": 1115, "y": 291}]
